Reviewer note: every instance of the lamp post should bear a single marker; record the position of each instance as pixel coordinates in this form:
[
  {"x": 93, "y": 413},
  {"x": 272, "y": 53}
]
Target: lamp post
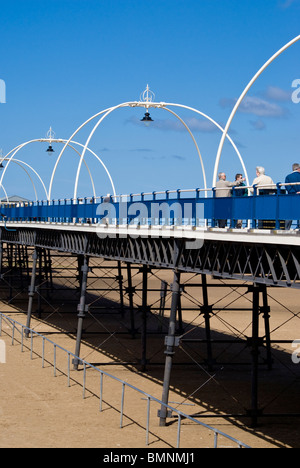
[
  {"x": 147, "y": 96},
  {"x": 50, "y": 135}
]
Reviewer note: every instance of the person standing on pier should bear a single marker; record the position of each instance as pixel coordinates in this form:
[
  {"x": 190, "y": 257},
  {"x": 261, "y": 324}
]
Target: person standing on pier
[
  {"x": 224, "y": 189},
  {"x": 293, "y": 178}
]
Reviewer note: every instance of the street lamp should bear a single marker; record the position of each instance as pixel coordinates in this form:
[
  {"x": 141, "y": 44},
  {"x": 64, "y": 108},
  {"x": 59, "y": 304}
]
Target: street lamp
[
  {"x": 147, "y": 96},
  {"x": 50, "y": 135},
  {"x": 147, "y": 119},
  {"x": 49, "y": 149}
]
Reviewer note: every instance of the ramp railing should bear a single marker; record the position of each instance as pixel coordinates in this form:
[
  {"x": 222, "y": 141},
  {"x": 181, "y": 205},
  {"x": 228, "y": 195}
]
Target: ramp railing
[{"x": 27, "y": 338}]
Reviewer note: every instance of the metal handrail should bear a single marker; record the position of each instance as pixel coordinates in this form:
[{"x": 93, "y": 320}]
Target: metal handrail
[{"x": 85, "y": 364}]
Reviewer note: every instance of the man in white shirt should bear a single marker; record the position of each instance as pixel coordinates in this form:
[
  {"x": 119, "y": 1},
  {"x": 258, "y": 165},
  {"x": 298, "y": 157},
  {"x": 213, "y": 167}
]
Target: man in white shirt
[
  {"x": 224, "y": 189},
  {"x": 264, "y": 185},
  {"x": 262, "y": 179}
]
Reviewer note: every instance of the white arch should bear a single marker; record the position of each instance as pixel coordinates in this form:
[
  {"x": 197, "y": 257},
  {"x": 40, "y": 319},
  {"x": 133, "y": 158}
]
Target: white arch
[
  {"x": 66, "y": 144},
  {"x": 146, "y": 105},
  {"x": 19, "y": 147},
  {"x": 5, "y": 193},
  {"x": 195, "y": 143},
  {"x": 123, "y": 105},
  {"x": 21, "y": 163},
  {"x": 222, "y": 130},
  {"x": 252, "y": 81}
]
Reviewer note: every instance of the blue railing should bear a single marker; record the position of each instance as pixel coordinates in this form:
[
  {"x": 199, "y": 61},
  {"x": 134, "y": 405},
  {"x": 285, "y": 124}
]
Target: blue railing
[{"x": 262, "y": 207}]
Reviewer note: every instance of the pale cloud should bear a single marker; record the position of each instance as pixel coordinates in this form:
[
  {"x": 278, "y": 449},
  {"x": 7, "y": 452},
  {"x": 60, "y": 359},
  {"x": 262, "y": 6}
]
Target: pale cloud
[
  {"x": 194, "y": 124},
  {"x": 258, "y": 124},
  {"x": 277, "y": 94},
  {"x": 256, "y": 106},
  {"x": 284, "y": 4}
]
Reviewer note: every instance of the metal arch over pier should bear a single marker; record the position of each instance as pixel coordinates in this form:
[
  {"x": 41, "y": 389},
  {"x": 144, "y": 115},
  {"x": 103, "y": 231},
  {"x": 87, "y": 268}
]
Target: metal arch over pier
[{"x": 10, "y": 157}]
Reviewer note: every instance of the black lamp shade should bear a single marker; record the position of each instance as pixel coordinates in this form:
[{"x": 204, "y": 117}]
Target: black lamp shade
[
  {"x": 146, "y": 118},
  {"x": 50, "y": 149}
]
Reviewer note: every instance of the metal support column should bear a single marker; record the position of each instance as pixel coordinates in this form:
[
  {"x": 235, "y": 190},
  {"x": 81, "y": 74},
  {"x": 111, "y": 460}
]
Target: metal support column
[
  {"x": 265, "y": 310},
  {"x": 120, "y": 280},
  {"x": 130, "y": 290},
  {"x": 170, "y": 342},
  {"x": 81, "y": 307},
  {"x": 254, "y": 412},
  {"x": 179, "y": 314},
  {"x": 40, "y": 280},
  {"x": 10, "y": 253},
  {"x": 31, "y": 291},
  {"x": 206, "y": 311},
  {"x": 163, "y": 294},
  {"x": 144, "y": 311},
  {"x": 1, "y": 257}
]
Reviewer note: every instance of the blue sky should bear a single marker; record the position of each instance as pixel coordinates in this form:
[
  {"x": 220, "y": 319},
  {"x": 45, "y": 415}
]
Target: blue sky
[{"x": 63, "y": 61}]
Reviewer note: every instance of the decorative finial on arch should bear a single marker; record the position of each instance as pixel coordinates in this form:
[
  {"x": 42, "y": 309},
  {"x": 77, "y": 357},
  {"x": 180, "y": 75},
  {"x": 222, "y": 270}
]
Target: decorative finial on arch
[
  {"x": 50, "y": 136},
  {"x": 147, "y": 95}
]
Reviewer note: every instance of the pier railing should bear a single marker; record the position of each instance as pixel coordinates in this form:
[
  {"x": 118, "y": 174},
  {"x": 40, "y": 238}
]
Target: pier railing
[
  {"x": 193, "y": 207},
  {"x": 27, "y": 338}
]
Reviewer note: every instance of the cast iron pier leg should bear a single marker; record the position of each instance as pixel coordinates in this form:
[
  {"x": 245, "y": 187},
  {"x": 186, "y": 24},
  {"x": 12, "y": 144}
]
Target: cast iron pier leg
[
  {"x": 31, "y": 290},
  {"x": 1, "y": 257},
  {"x": 81, "y": 308},
  {"x": 144, "y": 318},
  {"x": 255, "y": 353},
  {"x": 130, "y": 291},
  {"x": 120, "y": 280},
  {"x": 265, "y": 310},
  {"x": 170, "y": 344},
  {"x": 206, "y": 310}
]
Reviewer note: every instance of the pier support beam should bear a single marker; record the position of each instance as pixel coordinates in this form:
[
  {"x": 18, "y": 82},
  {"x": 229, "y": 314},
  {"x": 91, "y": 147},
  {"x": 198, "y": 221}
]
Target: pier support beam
[
  {"x": 31, "y": 291},
  {"x": 255, "y": 342},
  {"x": 170, "y": 343},
  {"x": 119, "y": 278},
  {"x": 130, "y": 291},
  {"x": 144, "y": 318},
  {"x": 206, "y": 311},
  {"x": 265, "y": 311},
  {"x": 81, "y": 307}
]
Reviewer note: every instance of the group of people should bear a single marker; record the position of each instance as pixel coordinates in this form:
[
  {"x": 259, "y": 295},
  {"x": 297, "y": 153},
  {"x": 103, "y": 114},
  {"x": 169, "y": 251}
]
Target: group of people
[{"x": 224, "y": 188}]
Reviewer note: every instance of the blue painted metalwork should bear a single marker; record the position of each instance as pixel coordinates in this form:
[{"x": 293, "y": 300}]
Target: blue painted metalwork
[{"x": 179, "y": 207}]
